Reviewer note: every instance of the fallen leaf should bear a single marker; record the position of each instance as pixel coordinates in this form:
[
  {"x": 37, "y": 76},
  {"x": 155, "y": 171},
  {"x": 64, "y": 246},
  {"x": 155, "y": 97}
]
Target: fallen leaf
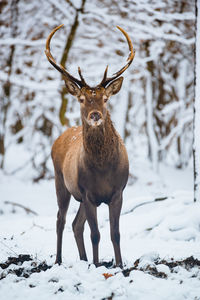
[{"x": 107, "y": 275}]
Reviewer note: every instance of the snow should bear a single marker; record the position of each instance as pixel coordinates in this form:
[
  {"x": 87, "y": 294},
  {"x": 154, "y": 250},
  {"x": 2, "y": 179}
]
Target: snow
[{"x": 150, "y": 230}]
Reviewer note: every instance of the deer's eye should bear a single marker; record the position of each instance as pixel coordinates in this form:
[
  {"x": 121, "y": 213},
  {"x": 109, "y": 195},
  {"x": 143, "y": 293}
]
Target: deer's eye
[{"x": 82, "y": 99}]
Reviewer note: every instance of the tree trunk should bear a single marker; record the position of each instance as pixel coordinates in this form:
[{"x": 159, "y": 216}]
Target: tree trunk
[
  {"x": 7, "y": 85},
  {"x": 153, "y": 142},
  {"x": 68, "y": 45},
  {"x": 196, "y": 149}
]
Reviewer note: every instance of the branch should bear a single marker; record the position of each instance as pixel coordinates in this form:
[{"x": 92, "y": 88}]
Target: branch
[
  {"x": 174, "y": 132},
  {"x": 14, "y": 41},
  {"x": 64, "y": 11},
  {"x": 158, "y": 33},
  {"x": 144, "y": 203},
  {"x": 168, "y": 16},
  {"x": 28, "y": 83},
  {"x": 27, "y": 210}
]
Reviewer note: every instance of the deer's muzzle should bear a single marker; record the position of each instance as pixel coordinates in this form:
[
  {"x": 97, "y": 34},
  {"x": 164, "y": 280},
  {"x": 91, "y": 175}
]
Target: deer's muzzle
[{"x": 95, "y": 118}]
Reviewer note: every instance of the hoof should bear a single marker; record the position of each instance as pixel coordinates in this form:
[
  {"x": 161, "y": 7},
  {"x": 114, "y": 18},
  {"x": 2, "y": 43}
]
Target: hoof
[
  {"x": 120, "y": 265},
  {"x": 59, "y": 262}
]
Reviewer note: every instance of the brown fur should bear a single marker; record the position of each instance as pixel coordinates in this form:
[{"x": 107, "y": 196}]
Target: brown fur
[
  {"x": 100, "y": 149},
  {"x": 91, "y": 163}
]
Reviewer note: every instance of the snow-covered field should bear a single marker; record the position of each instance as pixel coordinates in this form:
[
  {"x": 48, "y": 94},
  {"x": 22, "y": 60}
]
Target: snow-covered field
[{"x": 155, "y": 232}]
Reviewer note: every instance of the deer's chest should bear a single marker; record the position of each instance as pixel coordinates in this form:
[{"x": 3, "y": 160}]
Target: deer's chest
[{"x": 100, "y": 184}]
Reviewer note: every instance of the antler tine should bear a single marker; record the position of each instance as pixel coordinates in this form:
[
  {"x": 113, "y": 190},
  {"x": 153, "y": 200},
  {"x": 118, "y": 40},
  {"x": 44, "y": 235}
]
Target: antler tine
[
  {"x": 130, "y": 58},
  {"x": 105, "y": 74},
  {"x": 60, "y": 68},
  {"x": 81, "y": 76}
]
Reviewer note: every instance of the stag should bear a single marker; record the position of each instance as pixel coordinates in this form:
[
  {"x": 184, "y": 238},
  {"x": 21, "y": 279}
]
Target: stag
[{"x": 90, "y": 161}]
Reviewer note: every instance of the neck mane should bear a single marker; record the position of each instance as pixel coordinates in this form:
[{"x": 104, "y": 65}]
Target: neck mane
[{"x": 101, "y": 143}]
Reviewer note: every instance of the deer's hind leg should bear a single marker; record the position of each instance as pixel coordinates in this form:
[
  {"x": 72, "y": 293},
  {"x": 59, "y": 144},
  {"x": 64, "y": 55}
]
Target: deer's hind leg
[
  {"x": 114, "y": 213},
  {"x": 63, "y": 199},
  {"x": 78, "y": 228}
]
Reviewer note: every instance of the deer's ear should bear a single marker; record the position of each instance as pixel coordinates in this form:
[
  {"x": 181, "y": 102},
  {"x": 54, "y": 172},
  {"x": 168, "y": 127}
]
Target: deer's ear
[
  {"x": 72, "y": 87},
  {"x": 114, "y": 87}
]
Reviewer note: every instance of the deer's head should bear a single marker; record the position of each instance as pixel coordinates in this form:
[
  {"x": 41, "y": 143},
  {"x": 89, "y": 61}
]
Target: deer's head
[{"x": 92, "y": 99}]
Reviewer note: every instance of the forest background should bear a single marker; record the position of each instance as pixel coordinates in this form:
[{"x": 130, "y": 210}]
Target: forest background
[{"x": 154, "y": 110}]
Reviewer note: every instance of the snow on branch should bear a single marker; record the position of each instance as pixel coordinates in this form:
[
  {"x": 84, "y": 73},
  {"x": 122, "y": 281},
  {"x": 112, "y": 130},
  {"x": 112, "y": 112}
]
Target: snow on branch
[
  {"x": 28, "y": 83},
  {"x": 64, "y": 11},
  {"x": 166, "y": 36},
  {"x": 169, "y": 16},
  {"x": 175, "y": 131},
  {"x": 13, "y": 41}
]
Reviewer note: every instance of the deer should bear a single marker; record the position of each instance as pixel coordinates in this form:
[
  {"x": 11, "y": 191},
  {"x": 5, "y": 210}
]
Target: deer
[{"x": 90, "y": 161}]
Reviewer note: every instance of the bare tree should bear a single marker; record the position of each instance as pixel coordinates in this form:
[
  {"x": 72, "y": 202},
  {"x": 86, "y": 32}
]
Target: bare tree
[{"x": 196, "y": 149}]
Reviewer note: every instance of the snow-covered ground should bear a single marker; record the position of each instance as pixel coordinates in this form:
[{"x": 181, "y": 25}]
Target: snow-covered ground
[{"x": 152, "y": 231}]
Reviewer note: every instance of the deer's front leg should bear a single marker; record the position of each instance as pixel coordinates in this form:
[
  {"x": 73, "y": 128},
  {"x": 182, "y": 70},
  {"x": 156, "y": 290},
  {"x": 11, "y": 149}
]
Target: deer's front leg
[
  {"x": 91, "y": 215},
  {"x": 114, "y": 214}
]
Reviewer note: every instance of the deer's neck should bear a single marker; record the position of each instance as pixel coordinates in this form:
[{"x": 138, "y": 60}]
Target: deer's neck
[{"x": 100, "y": 143}]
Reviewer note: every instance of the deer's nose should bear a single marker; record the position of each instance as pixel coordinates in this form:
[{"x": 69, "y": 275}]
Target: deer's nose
[{"x": 95, "y": 115}]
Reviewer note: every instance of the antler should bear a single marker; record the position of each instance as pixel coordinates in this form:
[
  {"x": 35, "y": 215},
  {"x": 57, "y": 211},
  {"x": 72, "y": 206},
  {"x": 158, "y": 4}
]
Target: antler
[
  {"x": 82, "y": 82},
  {"x": 60, "y": 68},
  {"x": 131, "y": 56}
]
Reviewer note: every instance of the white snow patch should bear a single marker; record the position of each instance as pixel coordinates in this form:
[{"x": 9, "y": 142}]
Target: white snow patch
[{"x": 150, "y": 230}]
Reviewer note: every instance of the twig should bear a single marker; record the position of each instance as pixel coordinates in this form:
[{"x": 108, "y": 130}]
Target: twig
[
  {"x": 144, "y": 203},
  {"x": 27, "y": 210},
  {"x": 41, "y": 227},
  {"x": 17, "y": 169},
  {"x": 8, "y": 248},
  {"x": 141, "y": 204}
]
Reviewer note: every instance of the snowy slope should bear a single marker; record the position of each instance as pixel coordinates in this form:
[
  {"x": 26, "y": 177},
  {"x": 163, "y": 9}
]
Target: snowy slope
[{"x": 153, "y": 231}]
